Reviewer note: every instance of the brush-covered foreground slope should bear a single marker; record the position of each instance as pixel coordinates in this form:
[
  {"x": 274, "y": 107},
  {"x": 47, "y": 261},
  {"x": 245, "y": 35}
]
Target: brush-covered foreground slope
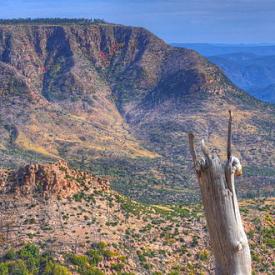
[
  {"x": 119, "y": 101},
  {"x": 53, "y": 216}
]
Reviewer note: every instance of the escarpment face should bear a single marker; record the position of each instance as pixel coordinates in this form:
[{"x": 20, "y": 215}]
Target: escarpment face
[{"x": 56, "y": 60}]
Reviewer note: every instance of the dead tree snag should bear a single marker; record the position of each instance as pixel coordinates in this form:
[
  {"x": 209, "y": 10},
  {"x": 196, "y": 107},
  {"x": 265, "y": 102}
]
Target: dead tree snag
[{"x": 227, "y": 237}]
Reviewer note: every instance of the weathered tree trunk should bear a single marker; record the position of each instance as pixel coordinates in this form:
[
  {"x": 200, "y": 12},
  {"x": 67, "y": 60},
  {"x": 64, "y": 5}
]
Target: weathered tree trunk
[{"x": 227, "y": 237}]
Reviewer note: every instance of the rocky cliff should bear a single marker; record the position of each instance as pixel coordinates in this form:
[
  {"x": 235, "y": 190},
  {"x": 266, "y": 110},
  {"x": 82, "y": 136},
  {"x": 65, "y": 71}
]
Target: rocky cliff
[{"x": 48, "y": 181}]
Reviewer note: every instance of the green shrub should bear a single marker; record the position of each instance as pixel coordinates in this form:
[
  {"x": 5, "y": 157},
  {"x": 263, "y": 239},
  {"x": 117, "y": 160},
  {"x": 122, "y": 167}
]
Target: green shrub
[
  {"x": 203, "y": 255},
  {"x": 10, "y": 255},
  {"x": 174, "y": 272},
  {"x": 4, "y": 269},
  {"x": 18, "y": 268},
  {"x": 107, "y": 254},
  {"x": 79, "y": 260},
  {"x": 52, "y": 268},
  {"x": 95, "y": 256},
  {"x": 91, "y": 271},
  {"x": 29, "y": 250},
  {"x": 117, "y": 266},
  {"x": 270, "y": 243},
  {"x": 31, "y": 256},
  {"x": 194, "y": 241},
  {"x": 28, "y": 261},
  {"x": 101, "y": 245},
  {"x": 255, "y": 257}
]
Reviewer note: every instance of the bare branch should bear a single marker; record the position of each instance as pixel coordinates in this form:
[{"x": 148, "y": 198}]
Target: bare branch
[
  {"x": 205, "y": 149},
  {"x": 192, "y": 148},
  {"x": 229, "y": 138}
]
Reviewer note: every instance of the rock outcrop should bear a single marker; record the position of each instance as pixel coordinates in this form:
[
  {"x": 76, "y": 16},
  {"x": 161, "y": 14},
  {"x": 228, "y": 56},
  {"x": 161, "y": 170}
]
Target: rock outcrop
[{"x": 48, "y": 180}]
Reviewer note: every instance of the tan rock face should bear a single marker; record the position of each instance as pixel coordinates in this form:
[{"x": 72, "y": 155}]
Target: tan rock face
[
  {"x": 4, "y": 179},
  {"x": 48, "y": 180}
]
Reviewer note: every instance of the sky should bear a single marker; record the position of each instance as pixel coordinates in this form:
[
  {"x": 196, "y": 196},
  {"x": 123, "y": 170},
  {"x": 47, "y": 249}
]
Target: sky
[{"x": 181, "y": 21}]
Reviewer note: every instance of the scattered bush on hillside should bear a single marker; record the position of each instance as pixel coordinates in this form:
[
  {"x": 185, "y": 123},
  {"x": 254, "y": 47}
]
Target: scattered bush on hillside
[{"x": 28, "y": 260}]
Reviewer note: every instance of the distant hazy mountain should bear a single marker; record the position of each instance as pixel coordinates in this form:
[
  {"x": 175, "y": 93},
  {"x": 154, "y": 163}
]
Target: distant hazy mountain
[
  {"x": 218, "y": 49},
  {"x": 251, "y": 67},
  {"x": 268, "y": 93}
]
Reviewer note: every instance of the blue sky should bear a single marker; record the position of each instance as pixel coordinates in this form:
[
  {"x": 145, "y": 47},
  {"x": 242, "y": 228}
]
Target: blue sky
[{"x": 211, "y": 21}]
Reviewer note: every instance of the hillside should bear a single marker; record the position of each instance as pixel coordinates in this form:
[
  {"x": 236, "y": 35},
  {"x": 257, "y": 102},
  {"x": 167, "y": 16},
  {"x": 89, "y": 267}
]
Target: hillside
[
  {"x": 252, "y": 73},
  {"x": 57, "y": 218},
  {"x": 250, "y": 67},
  {"x": 118, "y": 101}
]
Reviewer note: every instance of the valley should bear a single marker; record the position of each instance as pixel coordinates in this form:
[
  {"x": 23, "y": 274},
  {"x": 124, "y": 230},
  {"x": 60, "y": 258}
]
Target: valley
[{"x": 119, "y": 102}]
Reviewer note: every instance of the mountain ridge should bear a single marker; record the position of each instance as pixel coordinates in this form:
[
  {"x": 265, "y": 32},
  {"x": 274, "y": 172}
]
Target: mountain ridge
[{"x": 250, "y": 67}]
